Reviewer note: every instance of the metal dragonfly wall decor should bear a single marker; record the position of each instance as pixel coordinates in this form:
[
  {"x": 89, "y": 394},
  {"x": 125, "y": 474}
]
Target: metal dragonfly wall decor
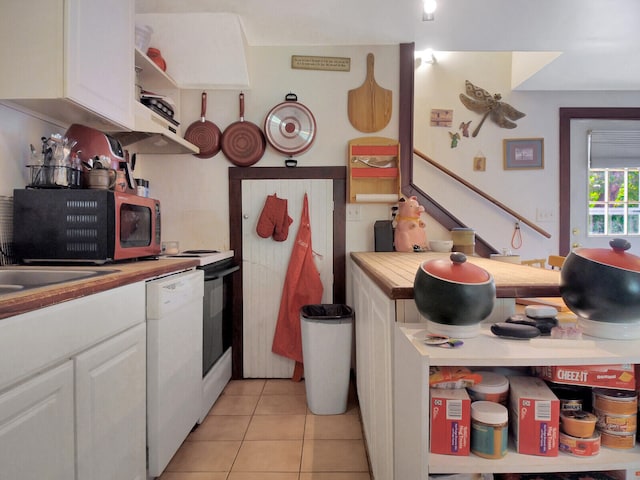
[{"x": 480, "y": 101}]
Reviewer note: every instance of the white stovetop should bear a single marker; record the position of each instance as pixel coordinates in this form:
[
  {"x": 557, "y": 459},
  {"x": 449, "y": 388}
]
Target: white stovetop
[{"x": 205, "y": 257}]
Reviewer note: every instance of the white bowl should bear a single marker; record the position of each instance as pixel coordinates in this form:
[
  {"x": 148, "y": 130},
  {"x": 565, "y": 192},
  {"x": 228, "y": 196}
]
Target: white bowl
[{"x": 441, "y": 245}]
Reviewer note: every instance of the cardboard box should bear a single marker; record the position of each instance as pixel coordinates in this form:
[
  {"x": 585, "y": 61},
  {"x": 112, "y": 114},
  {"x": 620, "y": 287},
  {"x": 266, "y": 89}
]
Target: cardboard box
[
  {"x": 621, "y": 376},
  {"x": 450, "y": 421},
  {"x": 534, "y": 416}
]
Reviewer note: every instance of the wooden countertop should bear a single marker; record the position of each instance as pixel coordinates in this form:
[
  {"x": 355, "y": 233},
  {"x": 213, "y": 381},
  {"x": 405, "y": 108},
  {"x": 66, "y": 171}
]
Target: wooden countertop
[
  {"x": 394, "y": 273},
  {"x": 124, "y": 274}
]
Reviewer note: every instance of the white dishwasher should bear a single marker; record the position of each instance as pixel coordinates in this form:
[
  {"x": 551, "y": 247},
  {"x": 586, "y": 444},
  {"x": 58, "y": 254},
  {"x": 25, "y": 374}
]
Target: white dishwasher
[{"x": 174, "y": 363}]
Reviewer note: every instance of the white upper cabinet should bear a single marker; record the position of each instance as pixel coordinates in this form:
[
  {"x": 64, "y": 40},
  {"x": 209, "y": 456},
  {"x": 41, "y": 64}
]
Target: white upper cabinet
[{"x": 70, "y": 60}]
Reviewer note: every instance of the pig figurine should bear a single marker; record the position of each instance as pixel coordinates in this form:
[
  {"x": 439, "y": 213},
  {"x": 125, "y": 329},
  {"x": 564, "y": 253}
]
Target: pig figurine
[{"x": 410, "y": 235}]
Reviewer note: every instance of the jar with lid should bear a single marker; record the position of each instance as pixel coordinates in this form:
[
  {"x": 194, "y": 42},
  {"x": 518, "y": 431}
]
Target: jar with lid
[
  {"x": 489, "y": 429},
  {"x": 494, "y": 387}
]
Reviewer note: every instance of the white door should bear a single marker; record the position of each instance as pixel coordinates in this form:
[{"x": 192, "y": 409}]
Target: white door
[
  {"x": 579, "y": 182},
  {"x": 265, "y": 263}
]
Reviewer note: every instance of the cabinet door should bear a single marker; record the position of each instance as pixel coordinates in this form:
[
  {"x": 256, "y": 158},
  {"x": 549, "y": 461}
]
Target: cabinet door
[
  {"x": 36, "y": 427},
  {"x": 100, "y": 73},
  {"x": 111, "y": 408}
]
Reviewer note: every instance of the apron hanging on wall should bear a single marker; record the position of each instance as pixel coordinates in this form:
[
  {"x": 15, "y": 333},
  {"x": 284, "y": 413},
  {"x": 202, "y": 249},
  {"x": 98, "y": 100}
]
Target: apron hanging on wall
[{"x": 302, "y": 286}]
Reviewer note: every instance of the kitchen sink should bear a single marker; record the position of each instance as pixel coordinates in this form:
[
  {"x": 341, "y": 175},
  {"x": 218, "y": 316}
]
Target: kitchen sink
[{"x": 13, "y": 280}]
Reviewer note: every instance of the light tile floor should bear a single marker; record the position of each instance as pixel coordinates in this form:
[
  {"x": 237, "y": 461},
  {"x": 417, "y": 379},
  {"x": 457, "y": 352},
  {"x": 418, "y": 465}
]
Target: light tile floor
[{"x": 263, "y": 430}]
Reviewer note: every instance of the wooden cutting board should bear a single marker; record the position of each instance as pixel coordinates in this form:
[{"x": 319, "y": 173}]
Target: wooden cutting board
[{"x": 369, "y": 105}]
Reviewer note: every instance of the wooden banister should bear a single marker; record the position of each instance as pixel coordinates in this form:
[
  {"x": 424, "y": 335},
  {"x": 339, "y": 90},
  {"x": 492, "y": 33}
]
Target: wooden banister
[{"x": 482, "y": 194}]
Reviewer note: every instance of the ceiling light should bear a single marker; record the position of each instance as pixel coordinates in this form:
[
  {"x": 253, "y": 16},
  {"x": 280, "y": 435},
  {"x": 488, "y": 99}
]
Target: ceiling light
[{"x": 428, "y": 11}]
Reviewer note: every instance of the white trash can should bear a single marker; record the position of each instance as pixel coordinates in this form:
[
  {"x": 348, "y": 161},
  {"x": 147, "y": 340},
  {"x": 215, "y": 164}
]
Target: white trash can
[{"x": 326, "y": 350}]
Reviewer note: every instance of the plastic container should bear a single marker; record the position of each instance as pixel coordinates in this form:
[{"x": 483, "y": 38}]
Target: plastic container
[
  {"x": 578, "y": 423},
  {"x": 143, "y": 37},
  {"x": 580, "y": 447},
  {"x": 464, "y": 240},
  {"x": 326, "y": 349},
  {"x": 615, "y": 402},
  {"x": 494, "y": 387},
  {"x": 489, "y": 429}
]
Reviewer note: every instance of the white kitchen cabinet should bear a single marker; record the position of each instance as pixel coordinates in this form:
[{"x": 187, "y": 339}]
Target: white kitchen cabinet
[
  {"x": 91, "y": 354},
  {"x": 70, "y": 60},
  {"x": 111, "y": 408},
  {"x": 411, "y": 400},
  {"x": 375, "y": 317},
  {"x": 36, "y": 427}
]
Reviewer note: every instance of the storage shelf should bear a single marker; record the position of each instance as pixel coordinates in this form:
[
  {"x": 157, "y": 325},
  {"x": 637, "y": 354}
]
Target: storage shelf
[
  {"x": 373, "y": 167},
  {"x": 488, "y": 350},
  {"x": 607, "y": 459}
]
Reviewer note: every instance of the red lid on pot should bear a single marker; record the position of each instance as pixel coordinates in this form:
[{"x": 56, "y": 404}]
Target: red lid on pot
[
  {"x": 616, "y": 256},
  {"x": 456, "y": 269}
]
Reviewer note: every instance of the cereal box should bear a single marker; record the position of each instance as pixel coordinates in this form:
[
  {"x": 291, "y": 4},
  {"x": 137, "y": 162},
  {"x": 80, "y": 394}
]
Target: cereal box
[{"x": 620, "y": 376}]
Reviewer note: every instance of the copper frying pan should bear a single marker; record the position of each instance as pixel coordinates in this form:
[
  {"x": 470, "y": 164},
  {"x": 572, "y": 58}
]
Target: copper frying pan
[
  {"x": 204, "y": 134},
  {"x": 243, "y": 143}
]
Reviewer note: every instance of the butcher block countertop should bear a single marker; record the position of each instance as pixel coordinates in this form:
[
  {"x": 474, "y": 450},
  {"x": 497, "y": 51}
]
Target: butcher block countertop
[
  {"x": 124, "y": 274},
  {"x": 394, "y": 273}
]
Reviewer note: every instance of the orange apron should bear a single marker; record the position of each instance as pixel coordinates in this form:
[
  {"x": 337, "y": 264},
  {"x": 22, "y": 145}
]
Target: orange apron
[{"x": 302, "y": 286}]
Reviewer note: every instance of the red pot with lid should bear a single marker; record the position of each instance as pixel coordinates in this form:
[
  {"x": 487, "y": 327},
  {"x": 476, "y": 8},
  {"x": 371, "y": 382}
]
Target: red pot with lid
[
  {"x": 454, "y": 295},
  {"x": 603, "y": 285}
]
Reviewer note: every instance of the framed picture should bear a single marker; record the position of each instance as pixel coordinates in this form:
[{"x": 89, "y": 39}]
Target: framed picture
[{"x": 523, "y": 153}]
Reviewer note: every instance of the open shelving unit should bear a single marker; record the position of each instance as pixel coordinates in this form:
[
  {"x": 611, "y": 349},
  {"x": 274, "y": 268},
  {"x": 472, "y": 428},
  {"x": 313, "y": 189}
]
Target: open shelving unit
[
  {"x": 374, "y": 170},
  {"x": 412, "y": 407}
]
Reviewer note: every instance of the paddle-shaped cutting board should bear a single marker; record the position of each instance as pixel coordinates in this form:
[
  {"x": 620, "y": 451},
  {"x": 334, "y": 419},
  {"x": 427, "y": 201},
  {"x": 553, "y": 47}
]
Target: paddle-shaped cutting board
[{"x": 369, "y": 105}]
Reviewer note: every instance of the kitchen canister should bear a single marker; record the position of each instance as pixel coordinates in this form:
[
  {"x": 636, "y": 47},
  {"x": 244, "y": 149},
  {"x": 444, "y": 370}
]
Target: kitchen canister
[
  {"x": 489, "y": 429},
  {"x": 494, "y": 387},
  {"x": 464, "y": 240}
]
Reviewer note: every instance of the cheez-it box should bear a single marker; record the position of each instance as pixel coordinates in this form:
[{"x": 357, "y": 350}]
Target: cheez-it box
[
  {"x": 450, "y": 421},
  {"x": 620, "y": 376},
  {"x": 534, "y": 416}
]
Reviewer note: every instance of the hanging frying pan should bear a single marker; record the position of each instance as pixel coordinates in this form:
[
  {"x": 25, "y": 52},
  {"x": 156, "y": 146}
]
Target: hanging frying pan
[
  {"x": 243, "y": 142},
  {"x": 204, "y": 134},
  {"x": 290, "y": 126}
]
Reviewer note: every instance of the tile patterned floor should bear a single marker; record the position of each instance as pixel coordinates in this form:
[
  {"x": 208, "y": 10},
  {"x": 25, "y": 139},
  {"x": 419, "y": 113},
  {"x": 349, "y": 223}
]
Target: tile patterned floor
[{"x": 262, "y": 430}]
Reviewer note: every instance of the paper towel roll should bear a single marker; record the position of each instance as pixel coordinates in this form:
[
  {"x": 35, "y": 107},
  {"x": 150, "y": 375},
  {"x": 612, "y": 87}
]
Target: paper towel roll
[{"x": 377, "y": 197}]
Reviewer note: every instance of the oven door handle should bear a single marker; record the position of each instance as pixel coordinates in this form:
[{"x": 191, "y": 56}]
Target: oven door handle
[{"x": 214, "y": 274}]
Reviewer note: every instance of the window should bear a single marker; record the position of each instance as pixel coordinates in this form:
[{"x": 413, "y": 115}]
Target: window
[
  {"x": 614, "y": 175},
  {"x": 614, "y": 204}
]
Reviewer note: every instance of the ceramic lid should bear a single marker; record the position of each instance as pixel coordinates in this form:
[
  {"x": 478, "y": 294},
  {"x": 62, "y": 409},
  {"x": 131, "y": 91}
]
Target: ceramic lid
[
  {"x": 614, "y": 257},
  {"x": 456, "y": 269}
]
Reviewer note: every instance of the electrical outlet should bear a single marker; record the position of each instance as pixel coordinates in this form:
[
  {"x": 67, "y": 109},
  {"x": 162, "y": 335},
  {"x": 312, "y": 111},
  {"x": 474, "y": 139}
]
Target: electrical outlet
[
  {"x": 353, "y": 212},
  {"x": 544, "y": 214}
]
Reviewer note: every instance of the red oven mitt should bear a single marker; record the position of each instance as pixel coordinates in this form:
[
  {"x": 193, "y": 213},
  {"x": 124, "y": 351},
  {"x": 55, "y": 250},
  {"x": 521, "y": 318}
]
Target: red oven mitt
[{"x": 274, "y": 219}]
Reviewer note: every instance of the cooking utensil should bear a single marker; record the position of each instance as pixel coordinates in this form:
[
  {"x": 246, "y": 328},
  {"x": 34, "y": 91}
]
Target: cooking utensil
[
  {"x": 243, "y": 142},
  {"x": 290, "y": 126},
  {"x": 369, "y": 106},
  {"x": 454, "y": 296},
  {"x": 603, "y": 284},
  {"x": 204, "y": 134}
]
